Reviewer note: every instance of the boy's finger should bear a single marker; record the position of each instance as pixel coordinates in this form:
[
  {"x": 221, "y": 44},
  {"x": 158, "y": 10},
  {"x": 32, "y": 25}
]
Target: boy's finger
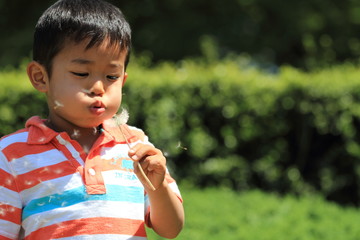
[{"x": 140, "y": 151}]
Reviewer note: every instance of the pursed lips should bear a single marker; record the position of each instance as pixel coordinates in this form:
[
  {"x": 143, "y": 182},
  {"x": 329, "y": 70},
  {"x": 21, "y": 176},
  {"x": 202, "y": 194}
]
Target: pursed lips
[{"x": 97, "y": 108}]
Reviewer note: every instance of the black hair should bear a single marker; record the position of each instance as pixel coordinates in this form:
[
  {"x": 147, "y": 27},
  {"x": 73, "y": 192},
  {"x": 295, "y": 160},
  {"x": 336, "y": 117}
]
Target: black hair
[{"x": 78, "y": 20}]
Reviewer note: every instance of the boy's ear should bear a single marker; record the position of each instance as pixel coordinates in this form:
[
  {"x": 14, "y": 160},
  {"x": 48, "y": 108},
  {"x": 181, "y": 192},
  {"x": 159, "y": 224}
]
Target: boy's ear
[
  {"x": 124, "y": 79},
  {"x": 38, "y": 76}
]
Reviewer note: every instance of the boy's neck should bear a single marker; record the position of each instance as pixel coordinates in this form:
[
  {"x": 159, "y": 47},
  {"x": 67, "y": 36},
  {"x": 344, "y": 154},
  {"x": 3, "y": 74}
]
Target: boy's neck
[{"x": 86, "y": 137}]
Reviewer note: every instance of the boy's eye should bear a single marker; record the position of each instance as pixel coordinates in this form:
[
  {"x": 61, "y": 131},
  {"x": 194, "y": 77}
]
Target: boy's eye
[
  {"x": 80, "y": 74},
  {"x": 112, "y": 78}
]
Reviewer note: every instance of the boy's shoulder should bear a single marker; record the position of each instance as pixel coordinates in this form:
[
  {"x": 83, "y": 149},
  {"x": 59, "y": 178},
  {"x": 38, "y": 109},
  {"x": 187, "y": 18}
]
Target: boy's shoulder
[
  {"x": 34, "y": 132},
  {"x": 17, "y": 136},
  {"x": 134, "y": 133}
]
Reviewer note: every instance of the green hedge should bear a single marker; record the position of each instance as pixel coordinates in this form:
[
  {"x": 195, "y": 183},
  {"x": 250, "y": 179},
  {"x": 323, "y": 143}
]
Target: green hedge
[
  {"x": 226, "y": 123},
  {"x": 254, "y": 215}
]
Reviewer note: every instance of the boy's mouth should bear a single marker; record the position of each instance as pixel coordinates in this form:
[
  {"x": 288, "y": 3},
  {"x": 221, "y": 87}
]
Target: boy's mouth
[{"x": 97, "y": 108}]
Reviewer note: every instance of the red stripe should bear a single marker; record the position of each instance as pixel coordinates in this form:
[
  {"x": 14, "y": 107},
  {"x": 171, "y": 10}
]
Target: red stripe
[
  {"x": 31, "y": 179},
  {"x": 7, "y": 181},
  {"x": 90, "y": 226},
  {"x": 5, "y": 238},
  {"x": 10, "y": 213},
  {"x": 20, "y": 149}
]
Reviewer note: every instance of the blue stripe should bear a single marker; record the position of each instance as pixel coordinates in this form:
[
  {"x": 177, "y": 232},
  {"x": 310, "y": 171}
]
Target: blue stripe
[{"x": 78, "y": 195}]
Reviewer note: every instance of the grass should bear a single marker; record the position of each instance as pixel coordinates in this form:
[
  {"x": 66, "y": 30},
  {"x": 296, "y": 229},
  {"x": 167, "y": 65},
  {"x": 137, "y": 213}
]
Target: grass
[{"x": 254, "y": 215}]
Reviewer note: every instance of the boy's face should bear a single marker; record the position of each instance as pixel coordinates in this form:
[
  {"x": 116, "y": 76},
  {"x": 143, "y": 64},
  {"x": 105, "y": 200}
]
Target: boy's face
[{"x": 85, "y": 87}]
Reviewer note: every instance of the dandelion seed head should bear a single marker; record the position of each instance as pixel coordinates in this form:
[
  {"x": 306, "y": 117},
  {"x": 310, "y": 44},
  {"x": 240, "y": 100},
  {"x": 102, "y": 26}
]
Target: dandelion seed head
[{"x": 122, "y": 117}]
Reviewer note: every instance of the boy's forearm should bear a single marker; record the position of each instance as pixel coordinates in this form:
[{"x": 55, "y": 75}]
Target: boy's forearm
[{"x": 167, "y": 213}]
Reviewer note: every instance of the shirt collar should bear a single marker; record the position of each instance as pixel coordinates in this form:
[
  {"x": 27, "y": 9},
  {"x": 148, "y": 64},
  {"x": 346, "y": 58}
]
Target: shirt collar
[{"x": 39, "y": 133}]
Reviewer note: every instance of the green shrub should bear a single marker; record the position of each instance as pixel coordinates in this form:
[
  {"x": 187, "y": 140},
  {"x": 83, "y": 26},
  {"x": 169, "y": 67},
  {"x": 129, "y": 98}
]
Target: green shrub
[
  {"x": 218, "y": 213},
  {"x": 225, "y": 123}
]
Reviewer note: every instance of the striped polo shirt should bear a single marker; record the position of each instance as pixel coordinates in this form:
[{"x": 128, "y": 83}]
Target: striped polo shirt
[{"x": 51, "y": 189}]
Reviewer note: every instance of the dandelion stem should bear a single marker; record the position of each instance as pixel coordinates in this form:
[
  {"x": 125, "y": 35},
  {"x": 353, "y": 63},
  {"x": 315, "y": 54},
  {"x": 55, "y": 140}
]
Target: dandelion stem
[{"x": 138, "y": 163}]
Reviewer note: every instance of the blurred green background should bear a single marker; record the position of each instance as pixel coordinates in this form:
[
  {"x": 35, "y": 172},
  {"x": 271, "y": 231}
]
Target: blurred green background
[
  {"x": 255, "y": 103},
  {"x": 305, "y": 34}
]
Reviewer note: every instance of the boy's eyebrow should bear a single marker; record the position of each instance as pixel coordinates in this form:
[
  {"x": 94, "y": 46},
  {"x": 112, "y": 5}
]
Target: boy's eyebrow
[
  {"x": 85, "y": 61},
  {"x": 81, "y": 61}
]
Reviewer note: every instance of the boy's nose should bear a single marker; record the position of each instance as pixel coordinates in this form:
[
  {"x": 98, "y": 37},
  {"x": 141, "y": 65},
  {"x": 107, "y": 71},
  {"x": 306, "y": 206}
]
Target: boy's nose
[{"x": 97, "y": 88}]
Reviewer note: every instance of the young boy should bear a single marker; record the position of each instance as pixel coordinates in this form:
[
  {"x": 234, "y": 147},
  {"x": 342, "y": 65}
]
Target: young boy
[{"x": 73, "y": 175}]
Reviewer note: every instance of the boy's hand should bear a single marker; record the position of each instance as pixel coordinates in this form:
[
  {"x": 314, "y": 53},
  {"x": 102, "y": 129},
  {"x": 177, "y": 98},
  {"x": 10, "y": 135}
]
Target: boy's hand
[{"x": 152, "y": 162}]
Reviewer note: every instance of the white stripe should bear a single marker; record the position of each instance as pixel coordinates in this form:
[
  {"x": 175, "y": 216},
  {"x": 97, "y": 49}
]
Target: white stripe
[
  {"x": 10, "y": 197},
  {"x": 54, "y": 186},
  {"x": 88, "y": 209},
  {"x": 103, "y": 237},
  {"x": 12, "y": 229},
  {"x": 4, "y": 164},
  {"x": 123, "y": 178},
  {"x": 14, "y": 138},
  {"x": 118, "y": 151},
  {"x": 32, "y": 162}
]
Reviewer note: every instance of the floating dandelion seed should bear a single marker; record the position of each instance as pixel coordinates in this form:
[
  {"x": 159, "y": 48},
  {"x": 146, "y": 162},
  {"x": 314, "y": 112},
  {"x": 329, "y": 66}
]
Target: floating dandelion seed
[
  {"x": 58, "y": 104},
  {"x": 45, "y": 170},
  {"x": 50, "y": 198},
  {"x": 180, "y": 146},
  {"x": 121, "y": 119},
  {"x": 109, "y": 225},
  {"x": 25, "y": 162},
  {"x": 50, "y": 185},
  {"x": 95, "y": 130},
  {"x": 8, "y": 181},
  {"x": 58, "y": 171},
  {"x": 76, "y": 134},
  {"x": 28, "y": 182},
  {"x": 86, "y": 149}
]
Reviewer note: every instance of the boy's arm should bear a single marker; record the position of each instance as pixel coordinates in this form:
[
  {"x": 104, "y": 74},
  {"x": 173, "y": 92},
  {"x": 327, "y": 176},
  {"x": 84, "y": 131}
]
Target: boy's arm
[{"x": 167, "y": 213}]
